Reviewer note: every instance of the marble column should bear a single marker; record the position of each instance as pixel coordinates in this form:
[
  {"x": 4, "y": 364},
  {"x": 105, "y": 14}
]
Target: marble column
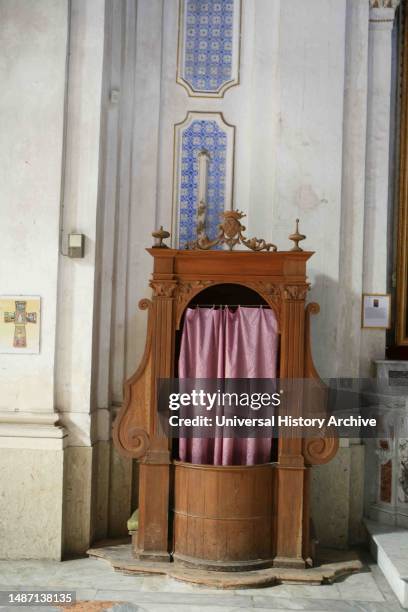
[{"x": 381, "y": 22}]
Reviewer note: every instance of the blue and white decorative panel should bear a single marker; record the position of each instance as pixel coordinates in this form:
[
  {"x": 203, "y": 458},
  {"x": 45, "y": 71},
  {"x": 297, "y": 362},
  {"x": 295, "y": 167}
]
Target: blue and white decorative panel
[
  {"x": 209, "y": 46},
  {"x": 204, "y": 159}
]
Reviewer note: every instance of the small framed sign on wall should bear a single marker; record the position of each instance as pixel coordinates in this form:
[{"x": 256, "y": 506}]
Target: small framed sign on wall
[{"x": 376, "y": 311}]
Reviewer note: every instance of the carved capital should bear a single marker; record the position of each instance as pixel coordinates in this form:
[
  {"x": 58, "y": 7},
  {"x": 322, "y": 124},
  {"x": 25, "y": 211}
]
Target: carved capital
[
  {"x": 296, "y": 292},
  {"x": 383, "y": 11},
  {"x": 380, "y": 4},
  {"x": 163, "y": 288}
]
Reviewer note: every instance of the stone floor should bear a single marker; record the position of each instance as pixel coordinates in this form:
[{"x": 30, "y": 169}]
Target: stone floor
[{"x": 95, "y": 582}]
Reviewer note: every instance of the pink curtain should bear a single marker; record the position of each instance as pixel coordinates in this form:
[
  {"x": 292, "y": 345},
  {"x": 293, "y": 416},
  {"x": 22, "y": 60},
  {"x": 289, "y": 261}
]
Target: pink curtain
[{"x": 222, "y": 343}]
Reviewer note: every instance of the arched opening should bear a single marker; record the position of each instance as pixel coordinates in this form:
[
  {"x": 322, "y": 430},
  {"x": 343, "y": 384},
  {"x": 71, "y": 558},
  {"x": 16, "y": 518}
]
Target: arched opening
[
  {"x": 231, "y": 295},
  {"x": 227, "y": 294},
  {"x": 223, "y": 294}
]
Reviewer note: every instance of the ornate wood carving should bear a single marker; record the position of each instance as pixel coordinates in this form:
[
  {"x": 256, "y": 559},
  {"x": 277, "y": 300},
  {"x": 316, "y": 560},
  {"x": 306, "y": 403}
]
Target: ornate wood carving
[
  {"x": 163, "y": 288},
  {"x": 296, "y": 292},
  {"x": 137, "y": 441},
  {"x": 129, "y": 429},
  {"x": 159, "y": 236},
  {"x": 270, "y": 290},
  {"x": 323, "y": 448},
  {"x": 230, "y": 234},
  {"x": 297, "y": 237}
]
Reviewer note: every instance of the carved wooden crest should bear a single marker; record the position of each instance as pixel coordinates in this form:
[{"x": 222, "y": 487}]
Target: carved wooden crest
[{"x": 231, "y": 233}]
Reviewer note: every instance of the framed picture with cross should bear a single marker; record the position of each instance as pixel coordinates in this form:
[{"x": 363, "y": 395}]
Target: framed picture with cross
[{"x": 20, "y": 324}]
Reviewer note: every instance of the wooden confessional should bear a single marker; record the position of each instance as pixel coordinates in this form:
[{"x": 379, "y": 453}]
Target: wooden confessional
[{"x": 233, "y": 517}]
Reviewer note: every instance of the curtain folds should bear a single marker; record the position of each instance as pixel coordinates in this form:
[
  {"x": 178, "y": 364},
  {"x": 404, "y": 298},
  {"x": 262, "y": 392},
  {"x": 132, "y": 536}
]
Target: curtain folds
[{"x": 222, "y": 343}]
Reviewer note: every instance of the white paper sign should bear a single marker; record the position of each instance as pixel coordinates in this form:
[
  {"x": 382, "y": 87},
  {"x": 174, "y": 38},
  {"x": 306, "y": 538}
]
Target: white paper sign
[{"x": 376, "y": 311}]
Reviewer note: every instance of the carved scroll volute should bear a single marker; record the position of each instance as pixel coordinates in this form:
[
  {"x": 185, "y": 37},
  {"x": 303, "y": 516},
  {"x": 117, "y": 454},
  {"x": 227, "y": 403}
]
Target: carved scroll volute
[
  {"x": 131, "y": 426},
  {"x": 317, "y": 451},
  {"x": 321, "y": 449}
]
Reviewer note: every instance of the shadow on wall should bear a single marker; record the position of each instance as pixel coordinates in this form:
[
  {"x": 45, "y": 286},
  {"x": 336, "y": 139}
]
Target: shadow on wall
[
  {"x": 336, "y": 330},
  {"x": 337, "y": 498},
  {"x": 337, "y": 488}
]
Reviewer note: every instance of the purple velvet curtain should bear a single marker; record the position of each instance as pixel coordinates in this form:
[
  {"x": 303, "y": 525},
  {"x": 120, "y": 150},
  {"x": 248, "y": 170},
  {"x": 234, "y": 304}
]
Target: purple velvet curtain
[{"x": 222, "y": 343}]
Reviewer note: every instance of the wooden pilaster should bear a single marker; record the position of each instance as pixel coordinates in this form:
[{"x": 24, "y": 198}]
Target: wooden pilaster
[
  {"x": 154, "y": 481},
  {"x": 290, "y": 469}
]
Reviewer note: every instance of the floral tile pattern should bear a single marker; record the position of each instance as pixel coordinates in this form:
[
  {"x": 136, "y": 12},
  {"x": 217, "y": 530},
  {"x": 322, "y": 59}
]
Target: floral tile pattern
[
  {"x": 209, "y": 45},
  {"x": 201, "y": 135}
]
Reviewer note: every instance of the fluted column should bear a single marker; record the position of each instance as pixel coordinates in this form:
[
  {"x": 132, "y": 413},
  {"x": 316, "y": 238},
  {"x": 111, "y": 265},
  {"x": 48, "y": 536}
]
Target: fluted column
[{"x": 381, "y": 22}]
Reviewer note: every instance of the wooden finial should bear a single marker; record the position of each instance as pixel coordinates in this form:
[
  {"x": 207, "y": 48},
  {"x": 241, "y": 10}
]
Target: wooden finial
[
  {"x": 159, "y": 236},
  {"x": 297, "y": 237}
]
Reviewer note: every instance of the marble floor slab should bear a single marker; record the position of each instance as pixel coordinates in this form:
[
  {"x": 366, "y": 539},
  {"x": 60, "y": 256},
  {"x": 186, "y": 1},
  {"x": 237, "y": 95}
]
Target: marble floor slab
[{"x": 95, "y": 581}]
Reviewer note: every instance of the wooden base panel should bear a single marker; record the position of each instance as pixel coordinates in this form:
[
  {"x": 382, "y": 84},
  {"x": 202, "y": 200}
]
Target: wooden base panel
[
  {"x": 223, "y": 515},
  {"x": 159, "y": 556},
  {"x": 121, "y": 559},
  {"x": 220, "y": 566},
  {"x": 289, "y": 562}
]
